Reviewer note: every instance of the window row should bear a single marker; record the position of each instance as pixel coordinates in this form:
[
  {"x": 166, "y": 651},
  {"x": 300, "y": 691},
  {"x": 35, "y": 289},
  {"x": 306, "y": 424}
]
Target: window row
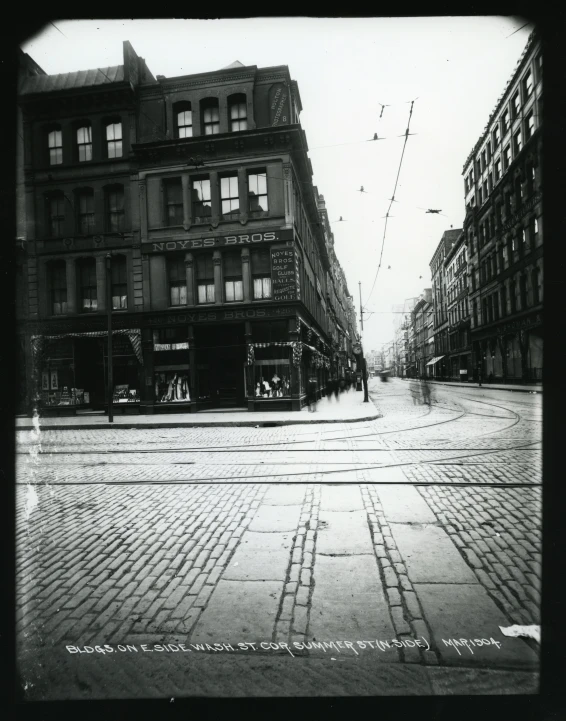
[
  {"x": 210, "y": 116},
  {"x": 81, "y": 208},
  {"x": 232, "y": 277},
  {"x": 507, "y": 301},
  {"x": 82, "y": 143},
  {"x": 86, "y": 285},
  {"x": 202, "y": 203},
  {"x": 520, "y": 242},
  {"x": 459, "y": 312}
]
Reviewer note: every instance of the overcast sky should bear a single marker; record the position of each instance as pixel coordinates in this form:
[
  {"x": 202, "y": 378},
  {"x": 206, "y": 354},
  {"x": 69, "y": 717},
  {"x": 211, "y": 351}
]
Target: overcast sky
[{"x": 454, "y": 68}]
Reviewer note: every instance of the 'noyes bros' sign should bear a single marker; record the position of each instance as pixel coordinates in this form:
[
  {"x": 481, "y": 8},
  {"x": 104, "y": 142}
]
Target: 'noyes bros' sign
[{"x": 240, "y": 239}]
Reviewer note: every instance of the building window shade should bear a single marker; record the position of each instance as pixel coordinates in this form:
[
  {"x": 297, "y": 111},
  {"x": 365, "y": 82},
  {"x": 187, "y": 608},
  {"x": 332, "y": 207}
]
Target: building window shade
[
  {"x": 229, "y": 196},
  {"x": 202, "y": 204},
  {"x": 86, "y": 212},
  {"x": 233, "y": 285},
  {"x": 55, "y": 144},
  {"x": 257, "y": 192},
  {"x": 58, "y": 287},
  {"x": 115, "y": 209},
  {"x": 56, "y": 212},
  {"x": 84, "y": 143},
  {"x": 210, "y": 117},
  {"x": 114, "y": 140},
  {"x": 177, "y": 281},
  {"x": 87, "y": 285},
  {"x": 173, "y": 191},
  {"x": 205, "y": 278},
  {"x": 184, "y": 120},
  {"x": 238, "y": 113}
]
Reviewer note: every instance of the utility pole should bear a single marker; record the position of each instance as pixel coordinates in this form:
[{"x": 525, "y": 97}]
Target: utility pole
[
  {"x": 109, "y": 317},
  {"x": 360, "y": 353}
]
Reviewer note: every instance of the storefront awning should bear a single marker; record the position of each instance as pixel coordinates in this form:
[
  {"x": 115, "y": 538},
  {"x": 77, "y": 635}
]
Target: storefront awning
[
  {"x": 435, "y": 360},
  {"x": 134, "y": 334}
]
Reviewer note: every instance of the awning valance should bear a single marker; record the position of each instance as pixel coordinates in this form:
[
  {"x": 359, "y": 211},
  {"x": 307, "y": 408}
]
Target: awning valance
[
  {"x": 134, "y": 334},
  {"x": 435, "y": 360}
]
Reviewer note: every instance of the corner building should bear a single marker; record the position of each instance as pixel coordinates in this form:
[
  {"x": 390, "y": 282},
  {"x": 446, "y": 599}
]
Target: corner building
[
  {"x": 504, "y": 231},
  {"x": 223, "y": 289}
]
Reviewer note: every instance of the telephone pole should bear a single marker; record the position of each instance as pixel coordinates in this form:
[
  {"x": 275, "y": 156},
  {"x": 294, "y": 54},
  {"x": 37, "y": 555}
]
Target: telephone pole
[{"x": 360, "y": 354}]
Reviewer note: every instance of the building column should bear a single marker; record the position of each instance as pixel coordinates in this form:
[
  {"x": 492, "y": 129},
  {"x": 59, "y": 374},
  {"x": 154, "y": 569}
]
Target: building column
[
  {"x": 243, "y": 192},
  {"x": 223, "y": 113},
  {"x": 101, "y": 283},
  {"x": 192, "y": 365},
  {"x": 143, "y": 209},
  {"x": 246, "y": 275},
  {"x": 190, "y": 279},
  {"x": 186, "y": 182},
  {"x": 217, "y": 262},
  {"x": 215, "y": 197},
  {"x": 71, "y": 268},
  {"x": 147, "y": 391}
]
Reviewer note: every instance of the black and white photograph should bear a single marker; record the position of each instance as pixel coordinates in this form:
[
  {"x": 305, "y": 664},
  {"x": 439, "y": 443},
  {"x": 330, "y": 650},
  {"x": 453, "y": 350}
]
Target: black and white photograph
[{"x": 279, "y": 358}]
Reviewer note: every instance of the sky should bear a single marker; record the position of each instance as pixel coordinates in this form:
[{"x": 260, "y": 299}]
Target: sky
[{"x": 453, "y": 68}]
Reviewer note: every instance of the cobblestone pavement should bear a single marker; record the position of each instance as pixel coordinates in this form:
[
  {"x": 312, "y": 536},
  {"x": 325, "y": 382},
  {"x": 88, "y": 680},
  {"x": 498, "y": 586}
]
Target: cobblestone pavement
[{"x": 221, "y": 535}]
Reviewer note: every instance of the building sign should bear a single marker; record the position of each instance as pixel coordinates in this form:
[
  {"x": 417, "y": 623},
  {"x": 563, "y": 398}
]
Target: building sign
[
  {"x": 283, "y": 274},
  {"x": 214, "y": 242},
  {"x": 170, "y": 346},
  {"x": 520, "y": 324},
  {"x": 279, "y": 110},
  {"x": 219, "y": 316},
  {"x": 525, "y": 207}
]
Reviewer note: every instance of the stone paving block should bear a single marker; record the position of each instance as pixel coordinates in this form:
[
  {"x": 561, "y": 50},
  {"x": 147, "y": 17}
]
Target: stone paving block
[
  {"x": 465, "y": 611},
  {"x": 343, "y": 532},
  {"x": 430, "y": 555},
  {"x": 348, "y": 600},
  {"x": 284, "y": 495},
  {"x": 273, "y": 518},
  {"x": 341, "y": 498},
  {"x": 239, "y": 610},
  {"x": 260, "y": 557},
  {"x": 404, "y": 504}
]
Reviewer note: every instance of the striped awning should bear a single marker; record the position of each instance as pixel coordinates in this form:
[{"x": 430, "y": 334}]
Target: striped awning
[{"x": 435, "y": 360}]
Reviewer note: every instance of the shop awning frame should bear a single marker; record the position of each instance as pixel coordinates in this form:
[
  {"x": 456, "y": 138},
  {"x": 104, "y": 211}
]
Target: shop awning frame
[
  {"x": 435, "y": 360},
  {"x": 134, "y": 334}
]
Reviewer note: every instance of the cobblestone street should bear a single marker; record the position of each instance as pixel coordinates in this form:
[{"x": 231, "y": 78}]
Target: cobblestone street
[{"x": 349, "y": 556}]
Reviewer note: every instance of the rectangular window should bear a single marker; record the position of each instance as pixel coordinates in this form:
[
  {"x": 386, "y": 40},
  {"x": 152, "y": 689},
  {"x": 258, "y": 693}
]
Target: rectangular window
[
  {"x": 114, "y": 140},
  {"x": 177, "y": 281},
  {"x": 238, "y": 116},
  {"x": 55, "y": 143},
  {"x": 173, "y": 195},
  {"x": 185, "y": 124},
  {"x": 517, "y": 142},
  {"x": 483, "y": 160},
  {"x": 88, "y": 292},
  {"x": 86, "y": 213},
  {"x": 513, "y": 296},
  {"x": 202, "y": 204},
  {"x": 115, "y": 209},
  {"x": 528, "y": 84},
  {"x": 261, "y": 273},
  {"x": 538, "y": 66},
  {"x": 205, "y": 278},
  {"x": 233, "y": 286},
  {"x": 488, "y": 149},
  {"x": 56, "y": 207},
  {"x": 257, "y": 192},
  {"x": 497, "y": 169},
  {"x": 119, "y": 283},
  {"x": 503, "y": 293},
  {"x": 505, "y": 121},
  {"x": 84, "y": 143},
  {"x": 229, "y": 196},
  {"x": 496, "y": 136},
  {"x": 507, "y": 157},
  {"x": 211, "y": 120},
  {"x": 529, "y": 125},
  {"x": 58, "y": 285},
  {"x": 516, "y": 105}
]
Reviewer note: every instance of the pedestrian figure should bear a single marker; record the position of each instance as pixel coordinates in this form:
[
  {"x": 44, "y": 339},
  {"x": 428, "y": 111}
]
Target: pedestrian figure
[
  {"x": 342, "y": 385},
  {"x": 311, "y": 395},
  {"x": 415, "y": 392},
  {"x": 329, "y": 389},
  {"x": 425, "y": 390}
]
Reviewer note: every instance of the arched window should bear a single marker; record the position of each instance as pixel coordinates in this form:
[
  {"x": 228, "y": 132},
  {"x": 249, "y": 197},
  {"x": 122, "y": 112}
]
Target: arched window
[
  {"x": 114, "y": 138},
  {"x": 210, "y": 116},
  {"x": 57, "y": 279},
  {"x": 84, "y": 143},
  {"x": 55, "y": 205},
  {"x": 183, "y": 119},
  {"x": 119, "y": 274},
  {"x": 85, "y": 211},
  {"x": 238, "y": 112},
  {"x": 115, "y": 208},
  {"x": 88, "y": 298},
  {"x": 55, "y": 145}
]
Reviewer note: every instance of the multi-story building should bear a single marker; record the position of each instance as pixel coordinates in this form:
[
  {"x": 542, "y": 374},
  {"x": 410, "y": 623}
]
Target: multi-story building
[
  {"x": 455, "y": 271},
  {"x": 504, "y": 230},
  {"x": 187, "y": 202},
  {"x": 422, "y": 332},
  {"x": 404, "y": 335},
  {"x": 439, "y": 365}
]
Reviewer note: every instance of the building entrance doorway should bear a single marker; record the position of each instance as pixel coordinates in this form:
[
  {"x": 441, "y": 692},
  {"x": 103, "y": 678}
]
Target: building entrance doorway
[
  {"x": 90, "y": 371},
  {"x": 221, "y": 357}
]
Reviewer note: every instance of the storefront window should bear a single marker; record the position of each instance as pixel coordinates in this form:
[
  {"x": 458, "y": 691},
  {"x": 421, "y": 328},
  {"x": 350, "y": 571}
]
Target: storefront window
[
  {"x": 58, "y": 377},
  {"x": 125, "y": 370},
  {"x": 171, "y": 362},
  {"x": 272, "y": 375}
]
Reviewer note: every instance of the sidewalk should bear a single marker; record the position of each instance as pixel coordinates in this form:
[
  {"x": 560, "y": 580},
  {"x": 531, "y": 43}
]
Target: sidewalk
[
  {"x": 493, "y": 386},
  {"x": 349, "y": 409}
]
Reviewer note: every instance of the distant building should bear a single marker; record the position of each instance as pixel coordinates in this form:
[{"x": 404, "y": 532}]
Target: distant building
[
  {"x": 458, "y": 313},
  {"x": 422, "y": 332},
  {"x": 504, "y": 231}
]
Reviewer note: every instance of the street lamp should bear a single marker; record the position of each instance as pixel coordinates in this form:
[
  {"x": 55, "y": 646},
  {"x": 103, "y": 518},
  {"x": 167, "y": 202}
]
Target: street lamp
[{"x": 109, "y": 317}]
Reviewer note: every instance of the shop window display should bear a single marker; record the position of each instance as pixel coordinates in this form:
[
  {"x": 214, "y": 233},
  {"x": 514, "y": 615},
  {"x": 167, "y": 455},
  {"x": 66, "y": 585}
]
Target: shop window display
[
  {"x": 272, "y": 378},
  {"x": 171, "y": 358}
]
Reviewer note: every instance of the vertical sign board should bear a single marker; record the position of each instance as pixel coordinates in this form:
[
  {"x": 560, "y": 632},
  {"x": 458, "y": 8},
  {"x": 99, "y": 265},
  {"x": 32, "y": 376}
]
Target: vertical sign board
[
  {"x": 283, "y": 274},
  {"x": 279, "y": 108}
]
